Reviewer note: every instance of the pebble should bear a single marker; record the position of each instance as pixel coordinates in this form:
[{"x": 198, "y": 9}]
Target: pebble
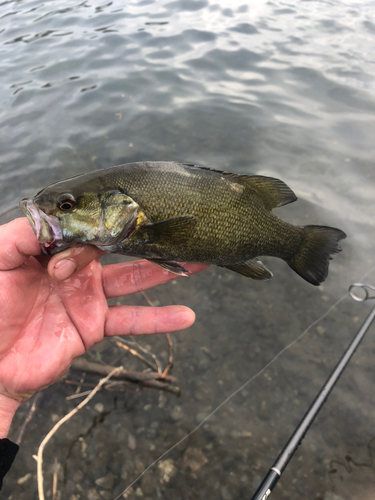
[
  {"x": 168, "y": 470},
  {"x": 331, "y": 496},
  {"x": 224, "y": 493},
  {"x": 124, "y": 472},
  {"x": 320, "y": 329},
  {"x": 99, "y": 407},
  {"x": 128, "y": 494},
  {"x": 83, "y": 446},
  {"x": 93, "y": 494},
  {"x": 22, "y": 480},
  {"x": 77, "y": 476},
  {"x": 194, "y": 458},
  {"x": 203, "y": 365},
  {"x": 162, "y": 400},
  {"x": 106, "y": 481},
  {"x": 263, "y": 409},
  {"x": 132, "y": 442},
  {"x": 177, "y": 413},
  {"x": 246, "y": 434}
]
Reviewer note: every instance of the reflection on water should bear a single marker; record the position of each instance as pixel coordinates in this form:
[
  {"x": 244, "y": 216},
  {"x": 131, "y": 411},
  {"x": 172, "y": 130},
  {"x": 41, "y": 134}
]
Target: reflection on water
[{"x": 275, "y": 88}]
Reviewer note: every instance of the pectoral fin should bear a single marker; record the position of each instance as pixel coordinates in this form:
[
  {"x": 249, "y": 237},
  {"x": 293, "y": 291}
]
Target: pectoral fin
[
  {"x": 172, "y": 266},
  {"x": 251, "y": 269},
  {"x": 174, "y": 230}
]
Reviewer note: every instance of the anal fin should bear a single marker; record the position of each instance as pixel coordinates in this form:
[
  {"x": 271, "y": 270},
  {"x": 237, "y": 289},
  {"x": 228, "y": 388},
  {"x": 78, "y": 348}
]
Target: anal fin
[
  {"x": 171, "y": 266},
  {"x": 251, "y": 269}
]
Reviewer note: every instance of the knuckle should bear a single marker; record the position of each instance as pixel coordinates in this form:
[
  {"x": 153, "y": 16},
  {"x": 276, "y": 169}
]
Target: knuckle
[{"x": 138, "y": 275}]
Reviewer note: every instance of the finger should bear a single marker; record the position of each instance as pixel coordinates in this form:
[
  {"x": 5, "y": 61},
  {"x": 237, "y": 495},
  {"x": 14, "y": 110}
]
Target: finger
[
  {"x": 138, "y": 320},
  {"x": 68, "y": 262},
  {"x": 138, "y": 275},
  {"x": 18, "y": 243}
]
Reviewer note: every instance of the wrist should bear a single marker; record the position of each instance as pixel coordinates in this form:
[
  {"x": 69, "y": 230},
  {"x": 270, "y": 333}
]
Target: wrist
[{"x": 8, "y": 408}]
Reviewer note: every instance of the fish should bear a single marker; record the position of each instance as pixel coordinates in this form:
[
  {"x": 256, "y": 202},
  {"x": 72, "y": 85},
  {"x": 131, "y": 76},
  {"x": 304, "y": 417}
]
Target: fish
[{"x": 172, "y": 213}]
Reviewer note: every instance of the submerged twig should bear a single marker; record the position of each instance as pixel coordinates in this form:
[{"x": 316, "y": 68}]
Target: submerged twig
[
  {"x": 136, "y": 354},
  {"x": 147, "y": 379},
  {"x": 59, "y": 424},
  {"x": 79, "y": 386},
  {"x": 77, "y": 395},
  {"x": 29, "y": 417},
  {"x": 148, "y": 300},
  {"x": 169, "y": 339},
  {"x": 54, "y": 482},
  {"x": 170, "y": 358},
  {"x": 117, "y": 386},
  {"x": 143, "y": 349}
]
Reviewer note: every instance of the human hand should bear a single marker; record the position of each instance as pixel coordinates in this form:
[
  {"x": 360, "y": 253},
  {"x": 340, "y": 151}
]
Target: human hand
[{"x": 48, "y": 318}]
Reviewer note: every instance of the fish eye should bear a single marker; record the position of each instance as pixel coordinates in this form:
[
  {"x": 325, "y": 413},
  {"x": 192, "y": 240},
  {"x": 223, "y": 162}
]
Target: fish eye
[{"x": 66, "y": 202}]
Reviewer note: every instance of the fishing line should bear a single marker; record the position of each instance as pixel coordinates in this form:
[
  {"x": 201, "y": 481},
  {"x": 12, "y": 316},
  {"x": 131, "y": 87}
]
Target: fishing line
[
  {"x": 231, "y": 396},
  {"x": 240, "y": 388}
]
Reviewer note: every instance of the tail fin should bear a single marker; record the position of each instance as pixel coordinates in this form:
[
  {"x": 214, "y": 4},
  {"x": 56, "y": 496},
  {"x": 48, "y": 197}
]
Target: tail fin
[{"x": 312, "y": 259}]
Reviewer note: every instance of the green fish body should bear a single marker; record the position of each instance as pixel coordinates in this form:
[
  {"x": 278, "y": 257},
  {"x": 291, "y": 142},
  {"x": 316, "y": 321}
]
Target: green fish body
[{"x": 171, "y": 212}]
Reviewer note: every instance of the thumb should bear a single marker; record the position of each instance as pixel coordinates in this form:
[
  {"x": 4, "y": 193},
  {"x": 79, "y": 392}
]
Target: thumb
[{"x": 68, "y": 262}]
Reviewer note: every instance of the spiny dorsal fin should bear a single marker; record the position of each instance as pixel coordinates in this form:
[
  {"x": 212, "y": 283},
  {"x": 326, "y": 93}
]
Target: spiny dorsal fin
[
  {"x": 274, "y": 192},
  {"x": 173, "y": 230},
  {"x": 251, "y": 269}
]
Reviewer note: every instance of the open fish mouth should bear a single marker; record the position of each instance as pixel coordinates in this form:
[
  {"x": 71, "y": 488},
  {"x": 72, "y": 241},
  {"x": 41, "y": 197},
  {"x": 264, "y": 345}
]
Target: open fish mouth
[{"x": 47, "y": 228}]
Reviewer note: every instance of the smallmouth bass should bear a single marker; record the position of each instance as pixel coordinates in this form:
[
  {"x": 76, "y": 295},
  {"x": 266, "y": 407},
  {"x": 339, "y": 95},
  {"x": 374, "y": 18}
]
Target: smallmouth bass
[{"x": 170, "y": 212}]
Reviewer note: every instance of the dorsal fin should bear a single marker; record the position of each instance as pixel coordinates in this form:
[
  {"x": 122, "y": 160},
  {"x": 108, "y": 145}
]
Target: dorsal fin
[
  {"x": 274, "y": 192},
  {"x": 215, "y": 170}
]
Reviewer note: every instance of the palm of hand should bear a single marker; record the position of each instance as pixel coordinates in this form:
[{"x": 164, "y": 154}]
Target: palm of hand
[
  {"x": 45, "y": 323},
  {"x": 48, "y": 324}
]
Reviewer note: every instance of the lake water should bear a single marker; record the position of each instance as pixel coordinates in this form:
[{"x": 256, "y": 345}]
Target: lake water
[{"x": 271, "y": 87}]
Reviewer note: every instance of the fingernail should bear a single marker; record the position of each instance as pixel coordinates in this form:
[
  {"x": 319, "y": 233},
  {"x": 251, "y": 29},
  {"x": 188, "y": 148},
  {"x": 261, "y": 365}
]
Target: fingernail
[
  {"x": 186, "y": 316},
  {"x": 64, "y": 269}
]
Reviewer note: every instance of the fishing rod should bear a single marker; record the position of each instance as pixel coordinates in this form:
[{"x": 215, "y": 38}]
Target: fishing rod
[{"x": 274, "y": 474}]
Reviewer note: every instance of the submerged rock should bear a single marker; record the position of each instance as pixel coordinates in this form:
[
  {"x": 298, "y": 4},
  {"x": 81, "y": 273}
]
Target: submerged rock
[
  {"x": 167, "y": 469},
  {"x": 194, "y": 459},
  {"x": 106, "y": 481}
]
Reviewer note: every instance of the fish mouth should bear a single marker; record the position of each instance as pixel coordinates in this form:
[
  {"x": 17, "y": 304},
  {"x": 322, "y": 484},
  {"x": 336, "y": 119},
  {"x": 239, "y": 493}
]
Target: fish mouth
[{"x": 47, "y": 228}]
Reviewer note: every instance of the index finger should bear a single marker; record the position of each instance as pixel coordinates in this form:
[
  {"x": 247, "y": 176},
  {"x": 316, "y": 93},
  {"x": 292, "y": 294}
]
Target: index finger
[
  {"x": 138, "y": 275},
  {"x": 17, "y": 243}
]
